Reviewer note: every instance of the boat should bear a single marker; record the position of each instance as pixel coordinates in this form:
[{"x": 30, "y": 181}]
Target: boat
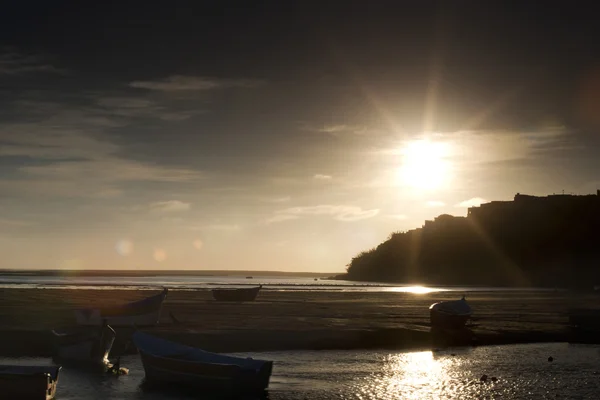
[
  {"x": 28, "y": 382},
  {"x": 88, "y": 345},
  {"x": 240, "y": 294},
  {"x": 145, "y": 312},
  {"x": 450, "y": 314},
  {"x": 174, "y": 364},
  {"x": 584, "y": 324},
  {"x": 585, "y": 318}
]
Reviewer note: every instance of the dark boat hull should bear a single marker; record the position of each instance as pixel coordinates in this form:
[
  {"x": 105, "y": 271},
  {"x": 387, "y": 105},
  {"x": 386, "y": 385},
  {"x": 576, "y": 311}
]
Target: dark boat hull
[
  {"x": 444, "y": 320},
  {"x": 162, "y": 371},
  {"x": 246, "y": 294},
  {"x": 178, "y": 365},
  {"x": 145, "y": 312}
]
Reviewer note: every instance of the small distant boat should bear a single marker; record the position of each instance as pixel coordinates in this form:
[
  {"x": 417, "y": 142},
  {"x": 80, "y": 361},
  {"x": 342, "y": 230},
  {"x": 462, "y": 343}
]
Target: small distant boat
[
  {"x": 450, "y": 314},
  {"x": 249, "y": 277},
  {"x": 175, "y": 364},
  {"x": 242, "y": 294},
  {"x": 28, "y": 382},
  {"x": 585, "y": 318},
  {"x": 84, "y": 345},
  {"x": 145, "y": 312}
]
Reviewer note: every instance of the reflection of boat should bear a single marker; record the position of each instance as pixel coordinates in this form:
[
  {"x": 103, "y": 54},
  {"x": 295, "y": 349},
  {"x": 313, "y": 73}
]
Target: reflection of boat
[
  {"x": 166, "y": 362},
  {"x": 244, "y": 294},
  {"x": 450, "y": 314},
  {"x": 145, "y": 312},
  {"x": 87, "y": 345},
  {"x": 28, "y": 382}
]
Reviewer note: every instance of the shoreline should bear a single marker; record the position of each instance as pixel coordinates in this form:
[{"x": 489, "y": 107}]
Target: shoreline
[{"x": 295, "y": 320}]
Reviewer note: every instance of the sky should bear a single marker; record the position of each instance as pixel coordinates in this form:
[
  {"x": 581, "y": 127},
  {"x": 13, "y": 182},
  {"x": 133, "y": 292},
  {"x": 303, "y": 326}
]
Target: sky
[{"x": 280, "y": 135}]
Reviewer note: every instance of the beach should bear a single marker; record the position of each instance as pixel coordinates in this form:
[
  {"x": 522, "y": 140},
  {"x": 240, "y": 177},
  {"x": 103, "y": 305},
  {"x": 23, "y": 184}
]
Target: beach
[{"x": 294, "y": 320}]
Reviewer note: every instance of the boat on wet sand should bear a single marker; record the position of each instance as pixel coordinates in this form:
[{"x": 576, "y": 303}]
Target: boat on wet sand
[
  {"x": 171, "y": 363},
  {"x": 85, "y": 345},
  {"x": 236, "y": 294},
  {"x": 28, "y": 382},
  {"x": 450, "y": 314},
  {"x": 145, "y": 312}
]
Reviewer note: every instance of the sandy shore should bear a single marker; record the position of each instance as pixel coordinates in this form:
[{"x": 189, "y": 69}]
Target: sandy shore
[{"x": 293, "y": 320}]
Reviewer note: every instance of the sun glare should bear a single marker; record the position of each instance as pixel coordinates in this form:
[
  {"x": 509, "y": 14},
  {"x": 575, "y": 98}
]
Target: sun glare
[
  {"x": 416, "y": 289},
  {"x": 425, "y": 164}
]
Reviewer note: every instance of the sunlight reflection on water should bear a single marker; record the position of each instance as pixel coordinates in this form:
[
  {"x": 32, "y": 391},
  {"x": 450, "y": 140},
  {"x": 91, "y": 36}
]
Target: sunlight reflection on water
[
  {"x": 415, "y": 289},
  {"x": 523, "y": 372}
]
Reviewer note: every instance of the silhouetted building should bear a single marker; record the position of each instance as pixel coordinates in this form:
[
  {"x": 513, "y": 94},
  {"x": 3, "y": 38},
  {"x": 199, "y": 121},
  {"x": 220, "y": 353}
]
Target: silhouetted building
[
  {"x": 536, "y": 204},
  {"x": 540, "y": 241}
]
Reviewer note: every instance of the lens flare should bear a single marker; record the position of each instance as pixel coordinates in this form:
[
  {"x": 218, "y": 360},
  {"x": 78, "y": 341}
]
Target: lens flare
[
  {"x": 160, "y": 255},
  {"x": 124, "y": 247}
]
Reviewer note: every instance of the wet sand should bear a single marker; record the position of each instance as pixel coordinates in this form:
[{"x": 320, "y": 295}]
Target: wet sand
[{"x": 280, "y": 320}]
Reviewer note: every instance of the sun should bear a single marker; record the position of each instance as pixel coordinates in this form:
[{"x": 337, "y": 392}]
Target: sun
[{"x": 425, "y": 164}]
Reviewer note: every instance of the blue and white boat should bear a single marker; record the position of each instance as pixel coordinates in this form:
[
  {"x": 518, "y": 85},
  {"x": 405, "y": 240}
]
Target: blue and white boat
[{"x": 167, "y": 362}]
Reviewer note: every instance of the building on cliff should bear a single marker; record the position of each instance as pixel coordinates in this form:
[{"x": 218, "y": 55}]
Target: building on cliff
[{"x": 523, "y": 203}]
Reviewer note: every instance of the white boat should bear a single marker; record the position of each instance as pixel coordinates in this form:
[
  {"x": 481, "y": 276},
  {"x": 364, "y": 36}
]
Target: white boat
[
  {"x": 84, "y": 345},
  {"x": 145, "y": 312},
  {"x": 175, "y": 365},
  {"x": 450, "y": 314},
  {"x": 28, "y": 382}
]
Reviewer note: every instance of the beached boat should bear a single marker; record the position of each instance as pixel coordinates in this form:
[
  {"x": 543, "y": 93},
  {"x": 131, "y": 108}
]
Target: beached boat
[
  {"x": 170, "y": 363},
  {"x": 145, "y": 312},
  {"x": 28, "y": 382},
  {"x": 450, "y": 314},
  {"x": 84, "y": 345},
  {"x": 240, "y": 294}
]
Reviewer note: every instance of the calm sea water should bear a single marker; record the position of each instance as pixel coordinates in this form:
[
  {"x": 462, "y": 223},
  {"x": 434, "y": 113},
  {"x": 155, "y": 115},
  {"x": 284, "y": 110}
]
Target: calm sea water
[
  {"x": 523, "y": 372},
  {"x": 207, "y": 282}
]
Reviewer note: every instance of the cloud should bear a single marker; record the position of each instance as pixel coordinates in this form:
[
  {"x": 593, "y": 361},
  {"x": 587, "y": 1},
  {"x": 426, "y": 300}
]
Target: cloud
[
  {"x": 141, "y": 107},
  {"x": 338, "y": 129},
  {"x": 217, "y": 227},
  {"x": 14, "y": 223},
  {"x": 170, "y": 206},
  {"x": 474, "y": 202},
  {"x": 322, "y": 177},
  {"x": 193, "y": 83},
  {"x": 15, "y": 63},
  {"x": 71, "y": 158},
  {"x": 332, "y": 129},
  {"x": 397, "y": 216},
  {"x": 281, "y": 218},
  {"x": 283, "y": 199},
  {"x": 435, "y": 203},
  {"x": 339, "y": 212}
]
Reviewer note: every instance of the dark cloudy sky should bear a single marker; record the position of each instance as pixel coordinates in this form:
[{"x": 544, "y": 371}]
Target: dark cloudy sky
[{"x": 285, "y": 135}]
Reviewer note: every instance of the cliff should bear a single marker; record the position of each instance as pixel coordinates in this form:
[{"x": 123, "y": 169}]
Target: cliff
[{"x": 530, "y": 241}]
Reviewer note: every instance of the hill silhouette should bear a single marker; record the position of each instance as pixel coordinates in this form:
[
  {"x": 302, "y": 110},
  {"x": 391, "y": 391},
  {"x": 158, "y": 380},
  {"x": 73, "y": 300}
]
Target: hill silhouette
[{"x": 530, "y": 241}]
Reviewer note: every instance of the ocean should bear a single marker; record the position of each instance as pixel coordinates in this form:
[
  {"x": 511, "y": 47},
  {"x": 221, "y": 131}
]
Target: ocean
[
  {"x": 521, "y": 372},
  {"x": 204, "y": 282}
]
